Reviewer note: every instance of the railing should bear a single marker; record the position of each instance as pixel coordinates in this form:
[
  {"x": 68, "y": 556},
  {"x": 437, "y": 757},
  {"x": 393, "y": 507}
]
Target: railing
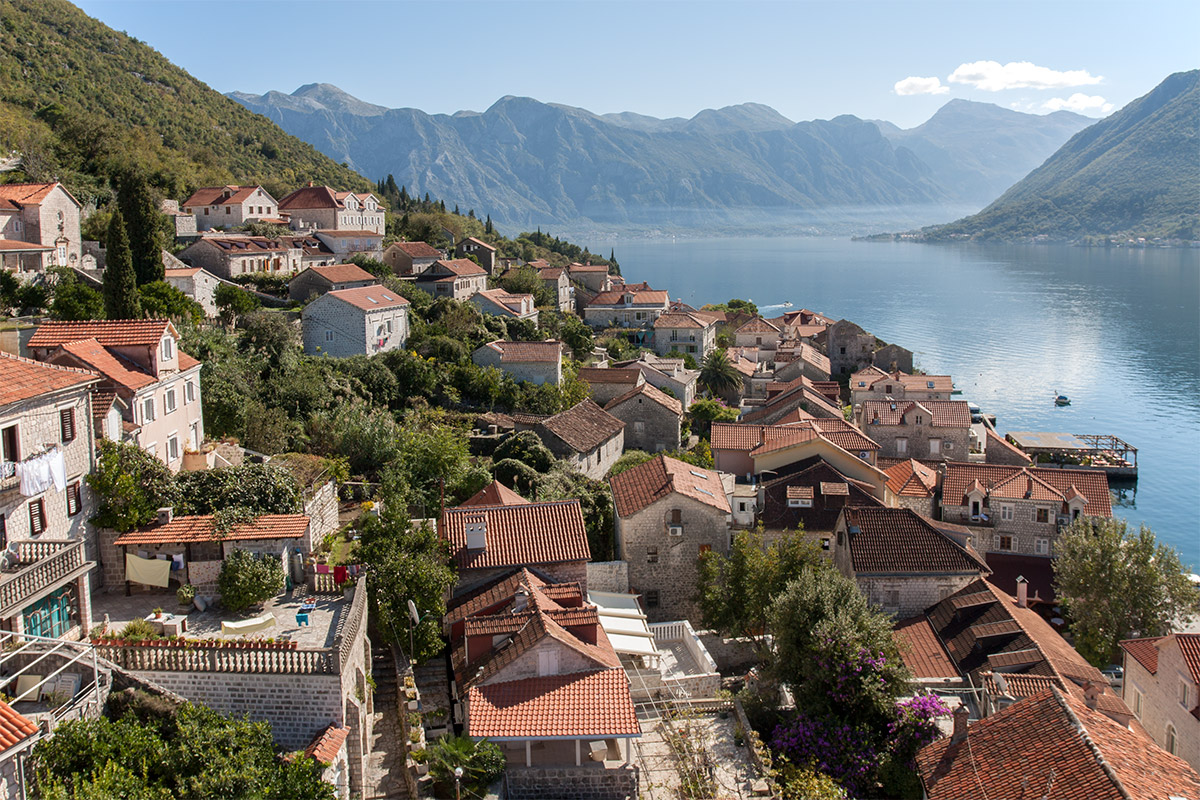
[
  {"x": 49, "y": 562},
  {"x": 181, "y": 655},
  {"x": 681, "y": 630}
]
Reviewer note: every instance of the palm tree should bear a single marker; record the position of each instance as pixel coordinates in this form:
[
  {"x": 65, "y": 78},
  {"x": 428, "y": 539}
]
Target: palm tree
[{"x": 718, "y": 375}]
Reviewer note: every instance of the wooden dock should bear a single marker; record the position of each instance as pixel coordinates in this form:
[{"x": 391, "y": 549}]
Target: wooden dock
[{"x": 1116, "y": 457}]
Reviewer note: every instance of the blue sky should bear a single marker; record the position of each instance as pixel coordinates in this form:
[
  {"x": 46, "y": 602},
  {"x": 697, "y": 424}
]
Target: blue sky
[{"x": 808, "y": 60}]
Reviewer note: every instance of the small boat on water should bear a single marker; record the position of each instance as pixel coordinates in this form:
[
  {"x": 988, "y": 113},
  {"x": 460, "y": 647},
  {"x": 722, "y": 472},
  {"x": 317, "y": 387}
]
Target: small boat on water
[
  {"x": 1062, "y": 400},
  {"x": 786, "y": 304}
]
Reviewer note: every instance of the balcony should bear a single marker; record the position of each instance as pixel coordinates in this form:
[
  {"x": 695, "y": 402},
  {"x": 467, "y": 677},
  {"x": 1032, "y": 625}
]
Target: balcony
[
  {"x": 40, "y": 567},
  {"x": 981, "y": 520}
]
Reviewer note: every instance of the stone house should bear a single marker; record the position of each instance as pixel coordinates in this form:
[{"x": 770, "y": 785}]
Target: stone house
[
  {"x": 315, "y": 281},
  {"x": 873, "y": 383},
  {"x": 607, "y": 383},
  {"x": 140, "y": 362},
  {"x": 197, "y": 283},
  {"x": 811, "y": 495},
  {"x": 558, "y": 284},
  {"x": 998, "y": 450},
  {"x": 653, "y": 421},
  {"x": 1021, "y": 509},
  {"x": 500, "y": 303},
  {"x": 748, "y": 449},
  {"x": 488, "y": 542},
  {"x": 627, "y": 307},
  {"x": 230, "y": 256},
  {"x": 850, "y": 349},
  {"x": 46, "y": 453},
  {"x": 800, "y": 358},
  {"x": 901, "y": 562},
  {"x": 350, "y": 322},
  {"x": 593, "y": 277},
  {"x": 183, "y": 224},
  {"x": 313, "y": 252},
  {"x": 484, "y": 253},
  {"x": 1161, "y": 686},
  {"x": 667, "y": 374},
  {"x": 349, "y": 243},
  {"x": 40, "y": 223},
  {"x": 534, "y": 362},
  {"x": 585, "y": 435},
  {"x": 668, "y": 514},
  {"x": 801, "y": 393},
  {"x": 230, "y": 206},
  {"x": 410, "y": 258},
  {"x": 686, "y": 332},
  {"x": 757, "y": 332},
  {"x": 458, "y": 279},
  {"x": 914, "y": 485},
  {"x": 324, "y": 209},
  {"x": 933, "y": 430}
]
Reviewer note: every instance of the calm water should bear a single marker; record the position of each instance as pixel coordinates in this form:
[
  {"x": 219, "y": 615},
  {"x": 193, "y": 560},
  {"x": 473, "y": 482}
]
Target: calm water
[{"x": 1116, "y": 330}]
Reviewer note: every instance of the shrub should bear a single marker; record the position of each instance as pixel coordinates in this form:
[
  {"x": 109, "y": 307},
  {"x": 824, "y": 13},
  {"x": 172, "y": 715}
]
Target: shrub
[
  {"x": 138, "y": 630},
  {"x": 482, "y": 762},
  {"x": 246, "y": 579}
]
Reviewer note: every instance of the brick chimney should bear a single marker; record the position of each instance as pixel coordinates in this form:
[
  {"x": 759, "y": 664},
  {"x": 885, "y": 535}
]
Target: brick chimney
[
  {"x": 165, "y": 515},
  {"x": 1091, "y": 693},
  {"x": 1022, "y": 592},
  {"x": 960, "y": 724}
]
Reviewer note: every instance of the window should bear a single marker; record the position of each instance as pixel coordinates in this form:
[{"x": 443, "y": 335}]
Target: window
[
  {"x": 1184, "y": 694},
  {"x": 172, "y": 448},
  {"x": 329, "y": 336},
  {"x": 189, "y": 392},
  {"x": 1041, "y": 546},
  {"x": 1172, "y": 743},
  {"x": 652, "y": 598},
  {"x": 888, "y": 389},
  {"x": 169, "y": 401},
  {"x": 168, "y": 348},
  {"x": 148, "y": 410},
  {"x": 66, "y": 424},
  {"x": 842, "y": 350},
  {"x": 639, "y": 426},
  {"x": 920, "y": 420},
  {"x": 800, "y": 502},
  {"x": 1006, "y": 512},
  {"x": 228, "y": 210},
  {"x": 1006, "y": 543},
  {"x": 74, "y": 499},
  {"x": 901, "y": 445},
  {"x": 37, "y": 516},
  {"x": 1041, "y": 515},
  {"x": 547, "y": 662},
  {"x": 891, "y": 598},
  {"x": 1137, "y": 704},
  {"x": 676, "y": 516},
  {"x": 825, "y": 543},
  {"x": 206, "y": 212},
  {"x": 10, "y": 444},
  {"x": 935, "y": 447},
  {"x": 651, "y": 555},
  {"x": 152, "y": 449}
]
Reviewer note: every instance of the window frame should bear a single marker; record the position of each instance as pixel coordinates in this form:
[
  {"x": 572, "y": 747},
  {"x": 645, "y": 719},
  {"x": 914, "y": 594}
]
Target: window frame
[
  {"x": 37, "y": 524},
  {"x": 74, "y": 498},
  {"x": 66, "y": 424},
  {"x": 1000, "y": 539},
  {"x": 169, "y": 403}
]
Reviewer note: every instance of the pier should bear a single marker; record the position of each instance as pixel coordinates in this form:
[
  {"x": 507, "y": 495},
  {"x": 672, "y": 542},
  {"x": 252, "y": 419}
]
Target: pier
[{"x": 1114, "y": 456}]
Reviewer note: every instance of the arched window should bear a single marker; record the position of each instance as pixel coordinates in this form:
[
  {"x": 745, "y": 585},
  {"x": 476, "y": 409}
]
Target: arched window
[{"x": 1172, "y": 743}]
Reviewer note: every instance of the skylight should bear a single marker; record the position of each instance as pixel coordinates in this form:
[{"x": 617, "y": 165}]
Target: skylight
[{"x": 706, "y": 491}]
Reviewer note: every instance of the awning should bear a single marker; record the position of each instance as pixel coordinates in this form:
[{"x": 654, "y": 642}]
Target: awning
[{"x": 624, "y": 623}]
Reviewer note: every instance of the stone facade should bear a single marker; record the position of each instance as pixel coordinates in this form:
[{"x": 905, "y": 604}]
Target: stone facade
[
  {"x": 924, "y": 506},
  {"x": 1011, "y": 526},
  {"x": 229, "y": 207},
  {"x": 663, "y": 567},
  {"x": 692, "y": 339},
  {"x": 1155, "y": 700},
  {"x": 594, "y": 463},
  {"x": 335, "y": 327},
  {"x": 197, "y": 283},
  {"x": 919, "y": 438},
  {"x": 261, "y": 255},
  {"x": 321, "y": 508},
  {"x": 850, "y": 348},
  {"x": 310, "y": 283},
  {"x": 572, "y": 783},
  {"x": 649, "y": 425},
  {"x": 406, "y": 265},
  {"x": 484, "y": 253},
  {"x": 537, "y": 372},
  {"x": 46, "y": 215},
  {"x": 608, "y": 576}
]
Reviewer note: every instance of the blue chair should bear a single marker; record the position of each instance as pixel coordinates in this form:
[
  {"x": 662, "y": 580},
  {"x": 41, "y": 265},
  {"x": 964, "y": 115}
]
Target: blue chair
[{"x": 302, "y": 619}]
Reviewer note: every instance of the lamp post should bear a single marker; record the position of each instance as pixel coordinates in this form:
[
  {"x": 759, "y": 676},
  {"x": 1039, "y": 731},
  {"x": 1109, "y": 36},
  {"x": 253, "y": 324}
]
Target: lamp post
[
  {"x": 458, "y": 773},
  {"x": 414, "y": 618}
]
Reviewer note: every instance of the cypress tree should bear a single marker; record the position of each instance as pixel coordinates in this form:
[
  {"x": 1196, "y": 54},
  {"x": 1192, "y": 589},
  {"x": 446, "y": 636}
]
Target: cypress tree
[
  {"x": 120, "y": 282},
  {"x": 456, "y": 210},
  {"x": 487, "y": 226},
  {"x": 143, "y": 223}
]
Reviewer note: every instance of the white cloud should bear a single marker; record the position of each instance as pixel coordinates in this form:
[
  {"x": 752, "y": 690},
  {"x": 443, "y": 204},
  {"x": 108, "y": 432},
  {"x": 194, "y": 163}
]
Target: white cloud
[
  {"x": 1079, "y": 103},
  {"x": 915, "y": 85},
  {"x": 992, "y": 76}
]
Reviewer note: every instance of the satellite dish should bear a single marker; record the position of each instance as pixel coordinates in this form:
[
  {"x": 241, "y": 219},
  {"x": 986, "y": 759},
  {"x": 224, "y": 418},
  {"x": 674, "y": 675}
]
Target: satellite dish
[{"x": 412, "y": 612}]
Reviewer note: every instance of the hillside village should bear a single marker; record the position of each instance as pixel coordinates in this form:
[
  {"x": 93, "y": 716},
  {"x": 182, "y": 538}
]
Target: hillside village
[{"x": 382, "y": 493}]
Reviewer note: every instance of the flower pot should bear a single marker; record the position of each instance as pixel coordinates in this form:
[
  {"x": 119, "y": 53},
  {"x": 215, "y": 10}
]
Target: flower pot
[{"x": 422, "y": 768}]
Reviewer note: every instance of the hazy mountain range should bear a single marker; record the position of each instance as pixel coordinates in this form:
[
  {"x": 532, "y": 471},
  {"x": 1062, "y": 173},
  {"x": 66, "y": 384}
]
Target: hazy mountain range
[{"x": 743, "y": 167}]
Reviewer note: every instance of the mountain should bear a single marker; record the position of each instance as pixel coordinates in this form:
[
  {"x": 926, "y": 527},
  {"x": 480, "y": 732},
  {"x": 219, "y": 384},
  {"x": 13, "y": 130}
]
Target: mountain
[
  {"x": 1133, "y": 173},
  {"x": 531, "y": 163},
  {"x": 81, "y": 102},
  {"x": 983, "y": 149}
]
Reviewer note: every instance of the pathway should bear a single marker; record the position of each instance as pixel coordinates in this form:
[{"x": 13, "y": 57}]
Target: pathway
[{"x": 386, "y": 759}]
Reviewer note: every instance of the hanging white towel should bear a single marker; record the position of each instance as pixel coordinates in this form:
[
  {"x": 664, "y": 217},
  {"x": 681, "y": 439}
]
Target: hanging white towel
[
  {"x": 35, "y": 475},
  {"x": 58, "y": 468}
]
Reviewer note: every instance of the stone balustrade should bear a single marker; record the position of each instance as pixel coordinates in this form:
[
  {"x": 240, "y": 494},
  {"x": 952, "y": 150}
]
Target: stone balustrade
[
  {"x": 44, "y": 563},
  {"x": 181, "y": 655}
]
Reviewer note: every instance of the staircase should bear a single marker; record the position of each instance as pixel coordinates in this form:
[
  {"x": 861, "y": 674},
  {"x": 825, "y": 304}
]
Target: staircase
[{"x": 386, "y": 758}]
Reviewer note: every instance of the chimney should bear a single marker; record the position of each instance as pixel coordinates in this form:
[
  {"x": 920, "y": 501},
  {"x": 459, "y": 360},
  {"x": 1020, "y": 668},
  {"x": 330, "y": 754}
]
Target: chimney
[
  {"x": 1091, "y": 692},
  {"x": 520, "y": 599},
  {"x": 477, "y": 532},
  {"x": 960, "y": 724},
  {"x": 1022, "y": 592},
  {"x": 165, "y": 515}
]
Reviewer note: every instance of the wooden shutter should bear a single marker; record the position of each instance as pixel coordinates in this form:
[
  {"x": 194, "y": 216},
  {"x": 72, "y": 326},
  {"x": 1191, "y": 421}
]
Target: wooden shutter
[
  {"x": 74, "y": 499},
  {"x": 66, "y": 421},
  {"x": 37, "y": 517}
]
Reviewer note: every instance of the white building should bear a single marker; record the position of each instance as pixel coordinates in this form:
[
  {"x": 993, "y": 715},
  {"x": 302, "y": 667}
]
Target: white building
[{"x": 349, "y": 322}]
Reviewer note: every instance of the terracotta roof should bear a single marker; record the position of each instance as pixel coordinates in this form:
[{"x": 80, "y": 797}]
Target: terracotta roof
[
  {"x": 534, "y": 533},
  {"x": 1093, "y": 484},
  {"x": 919, "y": 383},
  {"x": 14, "y": 728},
  {"x": 650, "y": 393},
  {"x": 215, "y": 196},
  {"x": 636, "y": 488},
  {"x": 110, "y": 333},
  {"x": 609, "y": 375},
  {"x": 369, "y": 298},
  {"x": 540, "y": 626},
  {"x": 911, "y": 479},
  {"x": 682, "y": 319},
  {"x": 759, "y": 325},
  {"x": 587, "y": 268},
  {"x": 497, "y": 595},
  {"x": 462, "y": 267},
  {"x": 16, "y": 246},
  {"x": 185, "y": 272},
  {"x": 795, "y": 393},
  {"x": 26, "y": 193},
  {"x": 200, "y": 529},
  {"x": 803, "y": 480},
  {"x": 898, "y": 540},
  {"x": 584, "y": 705},
  {"x": 1053, "y": 745},
  {"x": 102, "y": 403},
  {"x": 340, "y": 273},
  {"x": 1189, "y": 646},
  {"x": 1018, "y": 685},
  {"x": 759, "y": 439},
  {"x": 996, "y": 440},
  {"x": 246, "y": 245},
  {"x": 527, "y": 352},
  {"x": 641, "y": 297},
  {"x": 478, "y": 242},
  {"x": 311, "y": 197},
  {"x": 22, "y": 378},
  {"x": 119, "y": 370},
  {"x": 584, "y": 426},
  {"x": 921, "y": 651},
  {"x": 495, "y": 494},
  {"x": 324, "y": 749},
  {"x": 942, "y": 413},
  {"x": 417, "y": 249}
]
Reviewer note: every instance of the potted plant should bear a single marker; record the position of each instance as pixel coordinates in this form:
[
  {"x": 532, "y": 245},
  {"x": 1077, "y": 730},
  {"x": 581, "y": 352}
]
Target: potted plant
[
  {"x": 186, "y": 594},
  {"x": 158, "y": 613}
]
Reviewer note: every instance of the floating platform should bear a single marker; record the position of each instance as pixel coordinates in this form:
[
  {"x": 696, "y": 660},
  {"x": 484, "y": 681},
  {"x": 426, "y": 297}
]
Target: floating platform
[{"x": 1114, "y": 456}]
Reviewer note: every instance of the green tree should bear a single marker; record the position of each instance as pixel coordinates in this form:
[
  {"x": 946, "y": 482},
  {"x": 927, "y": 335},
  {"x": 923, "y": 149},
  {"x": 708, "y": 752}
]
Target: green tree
[
  {"x": 161, "y": 300},
  {"x": 704, "y": 412},
  {"x": 628, "y": 460},
  {"x": 121, "y": 299},
  {"x": 246, "y": 579},
  {"x": 233, "y": 303},
  {"x": 75, "y": 300},
  {"x": 146, "y": 226},
  {"x": 526, "y": 447},
  {"x": 578, "y": 336},
  {"x": 718, "y": 376},
  {"x": 1117, "y": 584},
  {"x": 130, "y": 485},
  {"x": 482, "y": 763},
  {"x": 257, "y": 488}
]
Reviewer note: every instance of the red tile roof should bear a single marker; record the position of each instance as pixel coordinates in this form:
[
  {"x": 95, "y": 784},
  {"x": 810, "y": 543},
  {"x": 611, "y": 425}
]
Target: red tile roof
[
  {"x": 609, "y": 375},
  {"x": 417, "y": 249},
  {"x": 311, "y": 197},
  {"x": 682, "y": 320},
  {"x": 527, "y": 352},
  {"x": 942, "y": 413},
  {"x": 1053, "y": 745},
  {"x": 524, "y": 535},
  {"x": 324, "y": 749},
  {"x": 15, "y": 246},
  {"x": 495, "y": 494},
  {"x": 1189, "y": 646},
  {"x": 759, "y": 325},
  {"x": 647, "y": 483},
  {"x": 27, "y": 193},
  {"x": 911, "y": 383},
  {"x": 110, "y": 332},
  {"x": 246, "y": 245},
  {"x": 199, "y": 528},
  {"x": 759, "y": 439},
  {"x": 898, "y": 540},
  {"x": 14, "y": 728},
  {"x": 341, "y": 273},
  {"x": 586, "y": 268},
  {"x": 478, "y": 242},
  {"x": 182, "y": 272},
  {"x": 22, "y": 378},
  {"x": 118, "y": 370},
  {"x": 911, "y": 479},
  {"x": 461, "y": 267},
  {"x": 215, "y": 196},
  {"x": 1093, "y": 484},
  {"x": 921, "y": 651},
  {"x": 369, "y": 298},
  {"x": 641, "y": 297},
  {"x": 650, "y": 393},
  {"x": 584, "y": 426},
  {"x": 587, "y": 705}
]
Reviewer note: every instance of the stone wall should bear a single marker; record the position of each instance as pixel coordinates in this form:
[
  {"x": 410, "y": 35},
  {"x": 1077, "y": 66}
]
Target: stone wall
[
  {"x": 572, "y": 783},
  {"x": 921, "y": 505},
  {"x": 322, "y": 511},
  {"x": 354, "y": 331},
  {"x": 955, "y": 443},
  {"x": 648, "y": 425},
  {"x": 1159, "y": 705},
  {"x": 731, "y": 655},
  {"x": 904, "y": 596},
  {"x": 1018, "y": 523},
  {"x": 608, "y": 576}
]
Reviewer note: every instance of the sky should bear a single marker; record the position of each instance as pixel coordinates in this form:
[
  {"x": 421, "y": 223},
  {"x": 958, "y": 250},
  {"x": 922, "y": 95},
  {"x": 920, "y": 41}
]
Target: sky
[{"x": 897, "y": 61}]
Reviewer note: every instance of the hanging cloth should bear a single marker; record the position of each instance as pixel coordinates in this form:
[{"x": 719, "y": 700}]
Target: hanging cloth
[
  {"x": 35, "y": 476},
  {"x": 58, "y": 468},
  {"x": 339, "y": 575},
  {"x": 150, "y": 571}
]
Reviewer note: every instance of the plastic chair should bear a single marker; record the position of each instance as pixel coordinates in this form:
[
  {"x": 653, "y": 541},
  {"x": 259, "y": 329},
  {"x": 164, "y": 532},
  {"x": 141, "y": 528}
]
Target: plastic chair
[{"x": 302, "y": 619}]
